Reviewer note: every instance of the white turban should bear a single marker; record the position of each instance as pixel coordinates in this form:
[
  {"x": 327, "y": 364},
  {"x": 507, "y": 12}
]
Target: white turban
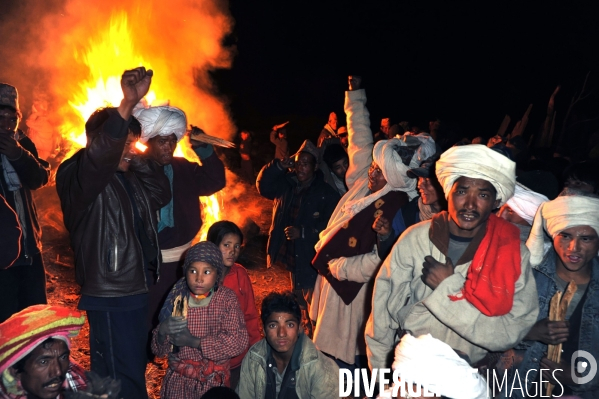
[
  {"x": 525, "y": 202},
  {"x": 477, "y": 162},
  {"x": 558, "y": 215},
  {"x": 161, "y": 121},
  {"x": 431, "y": 363}
]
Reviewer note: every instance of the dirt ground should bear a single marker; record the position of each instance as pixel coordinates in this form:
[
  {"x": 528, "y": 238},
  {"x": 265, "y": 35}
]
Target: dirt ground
[{"x": 242, "y": 204}]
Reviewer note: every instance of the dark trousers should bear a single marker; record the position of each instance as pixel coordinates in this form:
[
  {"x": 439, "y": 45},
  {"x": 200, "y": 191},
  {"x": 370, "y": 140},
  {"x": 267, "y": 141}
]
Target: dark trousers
[
  {"x": 170, "y": 273},
  {"x": 117, "y": 342},
  {"x": 21, "y": 287},
  {"x": 247, "y": 171}
]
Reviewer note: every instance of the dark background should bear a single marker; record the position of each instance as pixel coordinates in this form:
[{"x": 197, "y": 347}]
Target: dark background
[{"x": 467, "y": 64}]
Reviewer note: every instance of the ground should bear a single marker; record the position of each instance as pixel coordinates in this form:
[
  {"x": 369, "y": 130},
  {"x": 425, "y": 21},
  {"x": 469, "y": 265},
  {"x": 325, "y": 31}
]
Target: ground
[{"x": 242, "y": 204}]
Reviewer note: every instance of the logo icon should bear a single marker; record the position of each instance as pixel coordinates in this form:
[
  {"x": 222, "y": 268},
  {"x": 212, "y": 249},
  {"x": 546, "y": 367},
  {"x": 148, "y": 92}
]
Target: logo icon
[{"x": 583, "y": 361}]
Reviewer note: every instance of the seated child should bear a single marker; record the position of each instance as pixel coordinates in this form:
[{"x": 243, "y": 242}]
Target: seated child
[
  {"x": 286, "y": 364},
  {"x": 201, "y": 327},
  {"x": 228, "y": 237}
]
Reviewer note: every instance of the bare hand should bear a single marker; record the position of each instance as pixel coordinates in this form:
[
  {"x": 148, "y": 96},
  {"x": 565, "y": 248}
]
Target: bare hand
[
  {"x": 355, "y": 82},
  {"x": 282, "y": 125},
  {"x": 433, "y": 272},
  {"x": 292, "y": 233},
  {"x": 382, "y": 226},
  {"x": 564, "y": 375},
  {"x": 9, "y": 146},
  {"x": 494, "y": 140},
  {"x": 549, "y": 332},
  {"x": 287, "y": 163},
  {"x": 135, "y": 84}
]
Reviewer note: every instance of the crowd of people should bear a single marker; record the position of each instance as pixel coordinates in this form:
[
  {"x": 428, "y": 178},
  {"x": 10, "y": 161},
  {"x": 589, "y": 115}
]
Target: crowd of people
[{"x": 403, "y": 250}]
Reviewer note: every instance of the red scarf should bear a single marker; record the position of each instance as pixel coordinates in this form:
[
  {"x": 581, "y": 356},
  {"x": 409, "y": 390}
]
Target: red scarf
[{"x": 495, "y": 268}]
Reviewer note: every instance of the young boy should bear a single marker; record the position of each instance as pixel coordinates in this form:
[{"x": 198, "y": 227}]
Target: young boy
[{"x": 286, "y": 364}]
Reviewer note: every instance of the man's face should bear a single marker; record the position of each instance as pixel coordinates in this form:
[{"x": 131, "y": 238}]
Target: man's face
[
  {"x": 162, "y": 148},
  {"x": 427, "y": 191},
  {"x": 376, "y": 180},
  {"x": 333, "y": 121},
  {"x": 344, "y": 140},
  {"x": 508, "y": 214},
  {"x": 282, "y": 331},
  {"x": 576, "y": 247},
  {"x": 339, "y": 168},
  {"x": 128, "y": 152},
  {"x": 9, "y": 120},
  {"x": 470, "y": 203},
  {"x": 45, "y": 370},
  {"x": 244, "y": 135},
  {"x": 385, "y": 126},
  {"x": 305, "y": 166}
]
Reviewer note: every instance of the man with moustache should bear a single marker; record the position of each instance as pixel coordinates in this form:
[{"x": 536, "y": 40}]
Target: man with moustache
[
  {"x": 488, "y": 300},
  {"x": 180, "y": 220},
  {"x": 109, "y": 199},
  {"x": 329, "y": 130}
]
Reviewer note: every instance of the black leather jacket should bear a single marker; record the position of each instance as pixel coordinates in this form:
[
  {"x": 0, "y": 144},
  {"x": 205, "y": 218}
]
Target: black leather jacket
[{"x": 99, "y": 215}]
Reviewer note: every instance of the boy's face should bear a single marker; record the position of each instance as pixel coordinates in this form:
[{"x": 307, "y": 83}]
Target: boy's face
[
  {"x": 282, "y": 331},
  {"x": 201, "y": 277}
]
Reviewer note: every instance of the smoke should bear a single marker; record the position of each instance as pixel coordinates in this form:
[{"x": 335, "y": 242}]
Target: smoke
[{"x": 57, "y": 49}]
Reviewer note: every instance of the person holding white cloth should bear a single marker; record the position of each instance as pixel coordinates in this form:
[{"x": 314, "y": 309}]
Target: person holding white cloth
[{"x": 520, "y": 210}]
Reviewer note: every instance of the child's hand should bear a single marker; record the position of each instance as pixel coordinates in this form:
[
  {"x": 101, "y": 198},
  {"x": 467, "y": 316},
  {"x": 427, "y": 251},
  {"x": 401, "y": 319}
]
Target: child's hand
[
  {"x": 184, "y": 338},
  {"x": 172, "y": 325}
]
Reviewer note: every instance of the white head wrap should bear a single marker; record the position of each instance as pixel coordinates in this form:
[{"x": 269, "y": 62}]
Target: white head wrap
[
  {"x": 525, "y": 202},
  {"x": 477, "y": 162},
  {"x": 558, "y": 215},
  {"x": 431, "y": 363},
  {"x": 161, "y": 121}
]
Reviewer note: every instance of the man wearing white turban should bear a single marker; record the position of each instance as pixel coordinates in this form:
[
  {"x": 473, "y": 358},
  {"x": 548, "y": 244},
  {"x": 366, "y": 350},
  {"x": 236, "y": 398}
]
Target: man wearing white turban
[
  {"x": 346, "y": 256},
  {"x": 488, "y": 300},
  {"x": 520, "y": 210},
  {"x": 572, "y": 222},
  {"x": 180, "y": 220}
]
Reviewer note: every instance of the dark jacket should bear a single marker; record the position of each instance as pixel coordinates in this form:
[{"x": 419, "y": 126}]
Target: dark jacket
[
  {"x": 11, "y": 235},
  {"x": 190, "y": 181},
  {"x": 97, "y": 211},
  {"x": 318, "y": 203},
  {"x": 33, "y": 173}
]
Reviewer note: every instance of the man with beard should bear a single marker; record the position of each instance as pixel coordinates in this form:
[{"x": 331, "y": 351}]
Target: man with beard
[
  {"x": 488, "y": 300},
  {"x": 180, "y": 220},
  {"x": 329, "y": 130},
  {"x": 109, "y": 199},
  {"x": 34, "y": 353}
]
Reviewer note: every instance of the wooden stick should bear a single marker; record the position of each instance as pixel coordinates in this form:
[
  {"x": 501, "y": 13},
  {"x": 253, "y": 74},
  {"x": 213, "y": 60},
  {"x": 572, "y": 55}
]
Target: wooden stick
[{"x": 504, "y": 125}]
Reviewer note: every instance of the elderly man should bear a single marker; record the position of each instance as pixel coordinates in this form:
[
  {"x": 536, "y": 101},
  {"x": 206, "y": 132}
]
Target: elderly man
[
  {"x": 520, "y": 210},
  {"x": 109, "y": 198},
  {"x": 329, "y": 130},
  {"x": 572, "y": 221},
  {"x": 180, "y": 220},
  {"x": 487, "y": 301},
  {"x": 34, "y": 353},
  {"x": 346, "y": 259},
  {"x": 21, "y": 171}
]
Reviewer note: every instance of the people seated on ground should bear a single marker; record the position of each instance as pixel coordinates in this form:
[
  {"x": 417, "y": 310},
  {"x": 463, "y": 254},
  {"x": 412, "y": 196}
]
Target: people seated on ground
[
  {"x": 572, "y": 222},
  {"x": 11, "y": 235},
  {"x": 418, "y": 288},
  {"x": 583, "y": 176},
  {"x": 334, "y": 165},
  {"x": 229, "y": 238},
  {"x": 346, "y": 257},
  {"x": 180, "y": 220},
  {"x": 520, "y": 210},
  {"x": 278, "y": 136},
  {"x": 35, "y": 353},
  {"x": 330, "y": 129},
  {"x": 342, "y": 134},
  {"x": 286, "y": 364},
  {"x": 303, "y": 204},
  {"x": 201, "y": 327},
  {"x": 428, "y": 365}
]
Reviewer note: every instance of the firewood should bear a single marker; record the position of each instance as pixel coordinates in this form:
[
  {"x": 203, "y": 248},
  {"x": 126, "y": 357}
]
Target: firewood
[{"x": 198, "y": 134}]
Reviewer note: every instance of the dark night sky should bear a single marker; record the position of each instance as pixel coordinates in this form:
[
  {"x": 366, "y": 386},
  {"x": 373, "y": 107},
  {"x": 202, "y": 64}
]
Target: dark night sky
[{"x": 467, "y": 64}]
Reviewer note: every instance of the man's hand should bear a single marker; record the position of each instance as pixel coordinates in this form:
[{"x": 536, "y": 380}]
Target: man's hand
[
  {"x": 282, "y": 125},
  {"x": 382, "y": 226},
  {"x": 433, "y": 272},
  {"x": 562, "y": 375},
  {"x": 355, "y": 82},
  {"x": 292, "y": 233},
  {"x": 549, "y": 332},
  {"x": 9, "y": 146},
  {"x": 287, "y": 163},
  {"x": 135, "y": 84}
]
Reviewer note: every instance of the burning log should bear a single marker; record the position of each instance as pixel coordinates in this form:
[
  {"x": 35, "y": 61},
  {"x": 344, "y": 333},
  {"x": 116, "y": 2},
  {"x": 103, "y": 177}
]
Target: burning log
[{"x": 557, "y": 312}]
